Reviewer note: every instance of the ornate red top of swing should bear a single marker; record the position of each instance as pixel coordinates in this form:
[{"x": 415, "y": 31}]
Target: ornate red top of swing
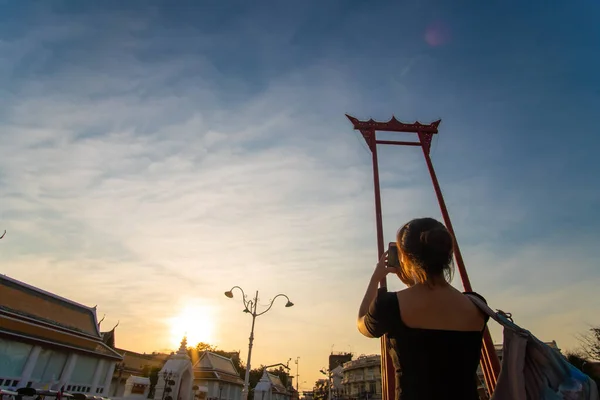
[{"x": 393, "y": 125}]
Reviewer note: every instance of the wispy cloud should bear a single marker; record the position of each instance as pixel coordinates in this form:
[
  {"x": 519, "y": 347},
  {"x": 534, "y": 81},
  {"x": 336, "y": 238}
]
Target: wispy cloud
[{"x": 142, "y": 170}]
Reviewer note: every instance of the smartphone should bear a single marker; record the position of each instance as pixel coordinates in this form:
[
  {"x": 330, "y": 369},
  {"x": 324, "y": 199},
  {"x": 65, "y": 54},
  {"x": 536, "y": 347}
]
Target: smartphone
[{"x": 393, "y": 260}]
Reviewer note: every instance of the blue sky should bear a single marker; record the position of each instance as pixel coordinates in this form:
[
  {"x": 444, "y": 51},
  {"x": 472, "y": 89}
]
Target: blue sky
[{"x": 158, "y": 154}]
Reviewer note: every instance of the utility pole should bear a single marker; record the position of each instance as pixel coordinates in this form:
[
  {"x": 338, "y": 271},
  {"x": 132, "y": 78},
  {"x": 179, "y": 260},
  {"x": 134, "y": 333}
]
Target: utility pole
[{"x": 297, "y": 373}]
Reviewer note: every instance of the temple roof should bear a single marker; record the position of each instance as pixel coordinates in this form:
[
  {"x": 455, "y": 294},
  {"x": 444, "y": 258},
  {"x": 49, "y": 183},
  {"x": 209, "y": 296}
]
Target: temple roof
[
  {"x": 272, "y": 382},
  {"x": 216, "y": 376},
  {"x": 31, "y": 302},
  {"x": 214, "y": 366},
  {"x": 135, "y": 362},
  {"x": 31, "y": 314},
  {"x": 108, "y": 338},
  {"x": 276, "y": 382},
  {"x": 215, "y": 362}
]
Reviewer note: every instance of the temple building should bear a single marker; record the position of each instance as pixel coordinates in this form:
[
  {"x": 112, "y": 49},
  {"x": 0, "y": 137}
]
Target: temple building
[
  {"x": 270, "y": 387},
  {"x": 47, "y": 341},
  {"x": 216, "y": 378},
  {"x": 177, "y": 377},
  {"x": 133, "y": 365}
]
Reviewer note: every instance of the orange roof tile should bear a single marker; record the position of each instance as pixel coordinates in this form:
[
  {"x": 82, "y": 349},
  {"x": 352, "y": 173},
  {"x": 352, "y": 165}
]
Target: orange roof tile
[
  {"x": 32, "y": 302},
  {"x": 137, "y": 361},
  {"x": 13, "y": 325}
]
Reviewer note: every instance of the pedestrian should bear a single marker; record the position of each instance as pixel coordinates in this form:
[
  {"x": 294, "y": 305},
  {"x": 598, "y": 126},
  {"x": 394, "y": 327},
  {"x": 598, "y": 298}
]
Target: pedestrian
[{"x": 434, "y": 332}]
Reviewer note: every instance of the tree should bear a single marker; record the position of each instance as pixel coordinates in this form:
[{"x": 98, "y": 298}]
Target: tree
[
  {"x": 321, "y": 389},
  {"x": 200, "y": 347},
  {"x": 590, "y": 344},
  {"x": 152, "y": 373}
]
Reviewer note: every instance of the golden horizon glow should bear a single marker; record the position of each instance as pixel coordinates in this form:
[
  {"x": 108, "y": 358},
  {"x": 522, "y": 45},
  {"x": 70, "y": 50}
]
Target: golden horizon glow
[{"x": 195, "y": 322}]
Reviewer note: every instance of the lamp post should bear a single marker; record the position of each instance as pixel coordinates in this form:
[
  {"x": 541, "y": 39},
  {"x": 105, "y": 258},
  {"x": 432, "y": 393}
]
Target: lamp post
[
  {"x": 250, "y": 307},
  {"x": 297, "y": 372},
  {"x": 167, "y": 375}
]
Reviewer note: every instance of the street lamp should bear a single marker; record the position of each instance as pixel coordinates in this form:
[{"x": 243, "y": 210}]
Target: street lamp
[
  {"x": 167, "y": 375},
  {"x": 250, "y": 308}
]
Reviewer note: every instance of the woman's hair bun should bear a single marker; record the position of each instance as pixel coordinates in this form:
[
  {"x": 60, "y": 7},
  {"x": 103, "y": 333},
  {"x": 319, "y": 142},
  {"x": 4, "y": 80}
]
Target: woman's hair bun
[
  {"x": 437, "y": 240},
  {"x": 428, "y": 247}
]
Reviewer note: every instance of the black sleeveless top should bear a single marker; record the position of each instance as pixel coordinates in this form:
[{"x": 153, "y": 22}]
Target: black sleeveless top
[{"x": 430, "y": 364}]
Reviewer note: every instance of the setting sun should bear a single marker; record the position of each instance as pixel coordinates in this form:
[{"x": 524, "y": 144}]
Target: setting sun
[{"x": 196, "y": 323}]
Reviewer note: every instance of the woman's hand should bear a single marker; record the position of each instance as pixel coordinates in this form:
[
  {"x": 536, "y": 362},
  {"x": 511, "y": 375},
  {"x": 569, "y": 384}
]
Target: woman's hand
[{"x": 382, "y": 269}]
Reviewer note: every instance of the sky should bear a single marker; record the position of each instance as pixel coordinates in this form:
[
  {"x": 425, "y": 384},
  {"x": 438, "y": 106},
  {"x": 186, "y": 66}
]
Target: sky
[{"x": 155, "y": 154}]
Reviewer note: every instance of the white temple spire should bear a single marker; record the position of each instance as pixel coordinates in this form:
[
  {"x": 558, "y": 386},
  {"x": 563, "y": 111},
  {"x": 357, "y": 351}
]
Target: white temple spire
[{"x": 183, "y": 347}]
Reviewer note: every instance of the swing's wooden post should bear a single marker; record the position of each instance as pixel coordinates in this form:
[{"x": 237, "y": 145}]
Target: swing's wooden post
[{"x": 388, "y": 381}]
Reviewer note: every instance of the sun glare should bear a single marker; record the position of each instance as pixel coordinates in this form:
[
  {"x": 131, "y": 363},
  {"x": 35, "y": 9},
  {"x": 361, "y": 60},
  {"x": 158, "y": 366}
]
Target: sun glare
[{"x": 194, "y": 322}]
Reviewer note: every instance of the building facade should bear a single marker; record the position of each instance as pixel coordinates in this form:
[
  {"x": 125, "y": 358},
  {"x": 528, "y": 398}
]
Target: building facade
[
  {"x": 137, "y": 388},
  {"x": 216, "y": 378},
  {"x": 362, "y": 378},
  {"x": 337, "y": 382},
  {"x": 47, "y": 341},
  {"x": 133, "y": 364}
]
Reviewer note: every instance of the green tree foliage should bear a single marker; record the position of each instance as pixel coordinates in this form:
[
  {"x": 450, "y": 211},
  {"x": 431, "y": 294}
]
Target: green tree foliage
[
  {"x": 152, "y": 373},
  {"x": 200, "y": 347},
  {"x": 321, "y": 389}
]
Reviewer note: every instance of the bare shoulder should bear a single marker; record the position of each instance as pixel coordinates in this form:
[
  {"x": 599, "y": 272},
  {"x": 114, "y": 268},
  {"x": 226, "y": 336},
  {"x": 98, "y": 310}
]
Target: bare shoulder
[
  {"x": 473, "y": 317},
  {"x": 445, "y": 308}
]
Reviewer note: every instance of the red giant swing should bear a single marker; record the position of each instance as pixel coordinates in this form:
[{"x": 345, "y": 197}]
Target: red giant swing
[{"x": 489, "y": 360}]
